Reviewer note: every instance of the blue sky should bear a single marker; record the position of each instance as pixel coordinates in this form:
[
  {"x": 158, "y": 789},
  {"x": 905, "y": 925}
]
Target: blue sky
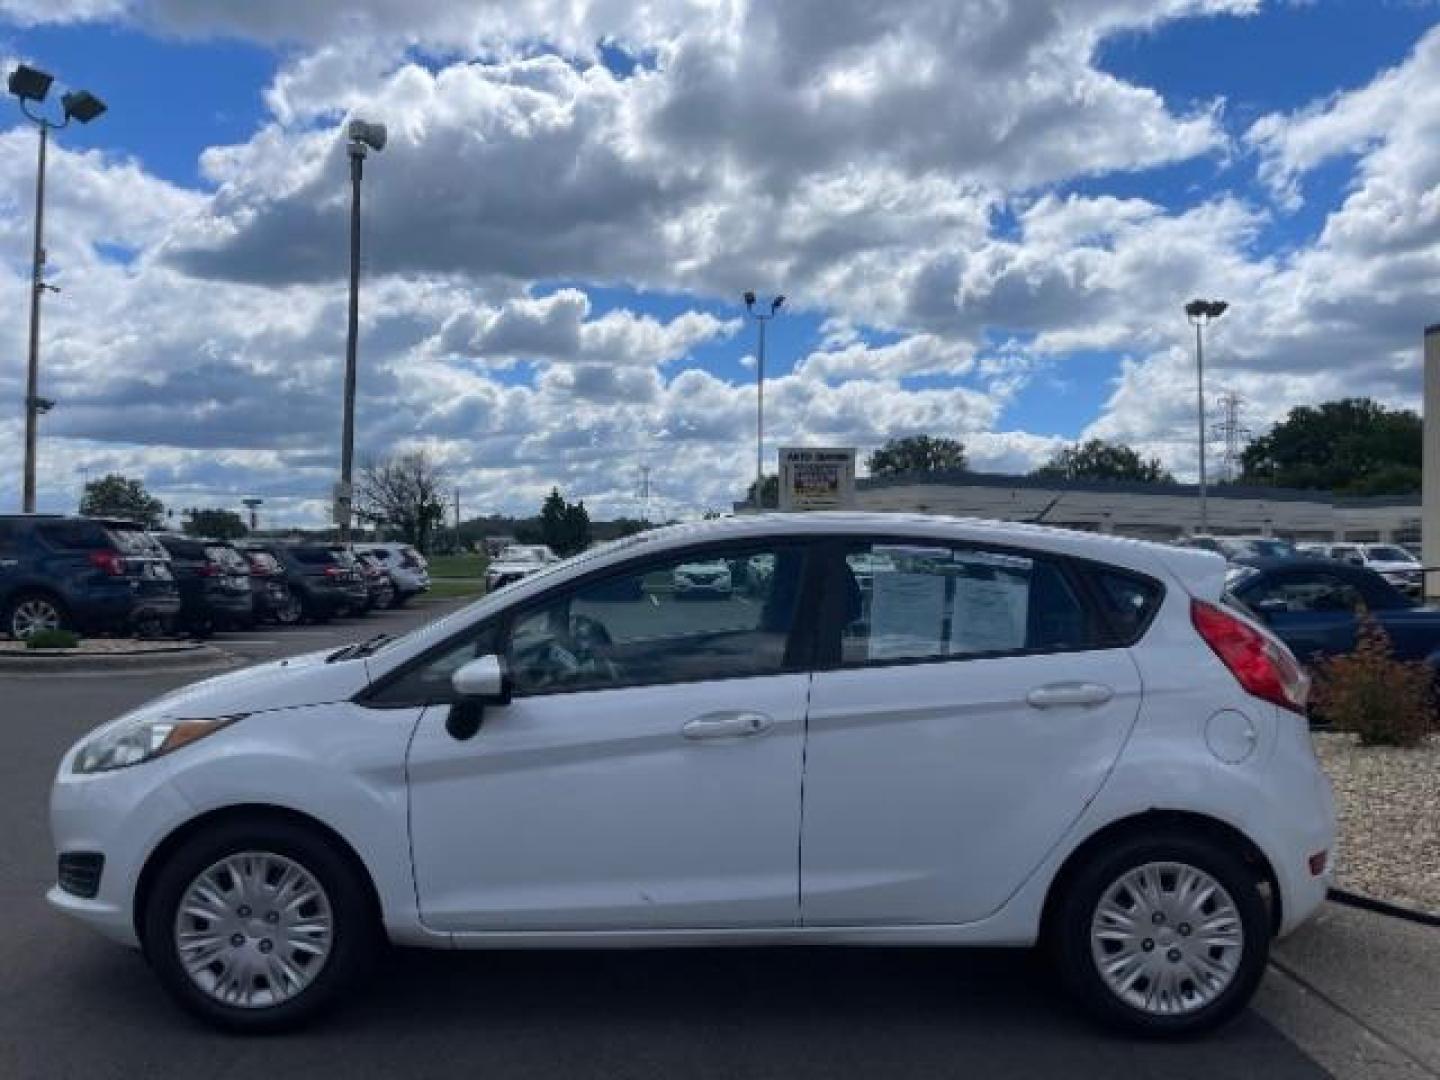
[{"x": 958, "y": 273}]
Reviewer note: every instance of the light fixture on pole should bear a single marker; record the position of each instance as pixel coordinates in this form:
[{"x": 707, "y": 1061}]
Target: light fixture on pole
[
  {"x": 761, "y": 317},
  {"x": 29, "y": 84},
  {"x": 363, "y": 137},
  {"x": 1201, "y": 314}
]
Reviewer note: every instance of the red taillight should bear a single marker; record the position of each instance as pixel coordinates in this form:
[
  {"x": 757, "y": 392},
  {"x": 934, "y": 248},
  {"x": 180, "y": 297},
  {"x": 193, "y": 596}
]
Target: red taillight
[
  {"x": 209, "y": 569},
  {"x": 108, "y": 562},
  {"x": 1259, "y": 662},
  {"x": 335, "y": 572}
]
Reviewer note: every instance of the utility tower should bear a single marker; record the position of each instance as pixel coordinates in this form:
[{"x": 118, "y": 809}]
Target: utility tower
[
  {"x": 1231, "y": 431},
  {"x": 643, "y": 491}
]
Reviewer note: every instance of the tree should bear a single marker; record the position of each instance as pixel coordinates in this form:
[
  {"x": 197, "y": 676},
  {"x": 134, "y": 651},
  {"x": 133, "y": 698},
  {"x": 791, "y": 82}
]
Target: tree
[
  {"x": 918, "y": 454},
  {"x": 577, "y": 529},
  {"x": 769, "y": 493},
  {"x": 216, "y": 524},
  {"x": 1355, "y": 446},
  {"x": 405, "y": 492},
  {"x": 1097, "y": 459},
  {"x": 564, "y": 527},
  {"x": 120, "y": 497}
]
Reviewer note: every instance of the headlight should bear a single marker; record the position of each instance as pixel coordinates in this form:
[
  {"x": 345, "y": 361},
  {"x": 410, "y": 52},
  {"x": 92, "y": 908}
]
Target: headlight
[{"x": 142, "y": 740}]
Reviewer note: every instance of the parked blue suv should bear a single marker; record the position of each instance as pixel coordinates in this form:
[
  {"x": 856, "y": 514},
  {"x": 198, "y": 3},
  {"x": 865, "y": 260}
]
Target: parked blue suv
[{"x": 82, "y": 574}]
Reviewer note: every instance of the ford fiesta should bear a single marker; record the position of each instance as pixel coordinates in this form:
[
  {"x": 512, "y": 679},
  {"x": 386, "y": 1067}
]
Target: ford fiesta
[{"x": 1008, "y": 735}]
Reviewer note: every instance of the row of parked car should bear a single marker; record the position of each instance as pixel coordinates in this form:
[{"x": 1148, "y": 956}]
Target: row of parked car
[
  {"x": 1398, "y": 564},
  {"x": 107, "y": 575}
]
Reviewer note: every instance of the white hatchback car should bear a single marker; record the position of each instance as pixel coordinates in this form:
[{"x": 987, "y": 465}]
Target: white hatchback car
[{"x": 1016, "y": 734}]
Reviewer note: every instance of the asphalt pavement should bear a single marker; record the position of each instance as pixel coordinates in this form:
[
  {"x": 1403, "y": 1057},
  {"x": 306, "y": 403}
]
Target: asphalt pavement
[{"x": 75, "y": 1005}]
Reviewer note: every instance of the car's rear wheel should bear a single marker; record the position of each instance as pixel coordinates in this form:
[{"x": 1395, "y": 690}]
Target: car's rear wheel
[
  {"x": 1163, "y": 934},
  {"x": 289, "y": 612},
  {"x": 30, "y": 613},
  {"x": 259, "y": 926}
]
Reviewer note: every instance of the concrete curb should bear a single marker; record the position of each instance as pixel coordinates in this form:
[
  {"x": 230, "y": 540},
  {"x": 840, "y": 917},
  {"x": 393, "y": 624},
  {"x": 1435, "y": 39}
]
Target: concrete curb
[
  {"x": 1383, "y": 907},
  {"x": 184, "y": 657}
]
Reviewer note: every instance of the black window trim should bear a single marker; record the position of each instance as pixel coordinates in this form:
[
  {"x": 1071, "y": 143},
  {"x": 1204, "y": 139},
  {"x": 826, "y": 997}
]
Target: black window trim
[
  {"x": 800, "y": 649},
  {"x": 830, "y": 626}
]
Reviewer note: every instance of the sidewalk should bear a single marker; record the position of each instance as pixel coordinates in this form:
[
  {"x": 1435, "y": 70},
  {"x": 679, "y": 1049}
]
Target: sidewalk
[{"x": 1360, "y": 993}]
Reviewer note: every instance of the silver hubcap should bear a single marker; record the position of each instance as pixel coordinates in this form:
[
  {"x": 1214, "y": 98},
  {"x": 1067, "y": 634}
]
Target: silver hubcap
[
  {"x": 1167, "y": 938},
  {"x": 254, "y": 930},
  {"x": 32, "y": 616}
]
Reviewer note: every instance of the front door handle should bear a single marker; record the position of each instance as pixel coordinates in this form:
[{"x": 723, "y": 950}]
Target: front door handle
[
  {"x": 1069, "y": 693},
  {"x": 727, "y": 725}
]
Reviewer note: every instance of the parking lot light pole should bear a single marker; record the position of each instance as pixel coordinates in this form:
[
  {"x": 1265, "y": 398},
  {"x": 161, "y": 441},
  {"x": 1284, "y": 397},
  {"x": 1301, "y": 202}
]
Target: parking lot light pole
[
  {"x": 1201, "y": 314},
  {"x": 29, "y": 84},
  {"x": 364, "y": 136},
  {"x": 761, "y": 318}
]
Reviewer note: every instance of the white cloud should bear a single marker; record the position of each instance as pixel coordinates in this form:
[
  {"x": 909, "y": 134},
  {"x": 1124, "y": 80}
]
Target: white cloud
[{"x": 857, "y": 156}]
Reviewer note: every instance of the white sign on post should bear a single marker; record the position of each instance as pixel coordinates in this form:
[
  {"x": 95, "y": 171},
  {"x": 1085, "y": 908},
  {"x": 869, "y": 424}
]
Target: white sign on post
[{"x": 817, "y": 478}]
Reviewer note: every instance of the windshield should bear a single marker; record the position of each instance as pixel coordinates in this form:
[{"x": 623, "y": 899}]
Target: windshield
[
  {"x": 1388, "y": 553},
  {"x": 1238, "y": 575},
  {"x": 228, "y": 557},
  {"x": 523, "y": 555}
]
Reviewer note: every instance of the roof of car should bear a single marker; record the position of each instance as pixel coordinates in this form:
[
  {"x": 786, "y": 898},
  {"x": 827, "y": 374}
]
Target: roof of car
[{"x": 1298, "y": 562}]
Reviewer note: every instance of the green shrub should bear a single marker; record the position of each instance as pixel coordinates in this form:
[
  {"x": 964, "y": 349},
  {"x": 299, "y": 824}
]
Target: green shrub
[
  {"x": 1384, "y": 701},
  {"x": 52, "y": 639}
]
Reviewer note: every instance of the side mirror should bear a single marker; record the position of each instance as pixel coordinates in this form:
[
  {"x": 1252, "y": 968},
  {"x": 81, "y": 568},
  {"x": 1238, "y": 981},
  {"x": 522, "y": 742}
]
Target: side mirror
[
  {"x": 482, "y": 680},
  {"x": 478, "y": 683}
]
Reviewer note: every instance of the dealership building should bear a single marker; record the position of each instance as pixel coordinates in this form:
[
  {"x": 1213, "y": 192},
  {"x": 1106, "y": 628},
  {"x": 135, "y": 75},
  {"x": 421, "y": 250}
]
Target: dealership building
[{"x": 1148, "y": 511}]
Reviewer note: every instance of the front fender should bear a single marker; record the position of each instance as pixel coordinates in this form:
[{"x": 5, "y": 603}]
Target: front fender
[{"x": 342, "y": 765}]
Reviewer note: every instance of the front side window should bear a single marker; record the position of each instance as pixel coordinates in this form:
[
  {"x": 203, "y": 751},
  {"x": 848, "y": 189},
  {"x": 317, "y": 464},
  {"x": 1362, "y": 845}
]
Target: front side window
[
  {"x": 926, "y": 601},
  {"x": 1306, "y": 592},
  {"x": 717, "y": 615}
]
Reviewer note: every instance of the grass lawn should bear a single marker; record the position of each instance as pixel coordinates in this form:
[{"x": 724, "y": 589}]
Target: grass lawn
[
  {"x": 458, "y": 566},
  {"x": 450, "y": 588}
]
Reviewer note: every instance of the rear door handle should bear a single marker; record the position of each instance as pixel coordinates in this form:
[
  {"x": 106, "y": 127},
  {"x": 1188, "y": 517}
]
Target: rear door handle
[
  {"x": 1069, "y": 693},
  {"x": 727, "y": 725}
]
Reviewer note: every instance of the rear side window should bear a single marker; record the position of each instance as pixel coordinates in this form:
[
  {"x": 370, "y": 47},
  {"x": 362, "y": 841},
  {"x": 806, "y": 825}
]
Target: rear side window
[
  {"x": 75, "y": 536},
  {"x": 183, "y": 549},
  {"x": 313, "y": 556},
  {"x": 922, "y": 601},
  {"x": 1128, "y": 601}
]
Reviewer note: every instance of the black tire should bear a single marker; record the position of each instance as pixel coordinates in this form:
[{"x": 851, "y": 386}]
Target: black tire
[
  {"x": 290, "y": 611},
  {"x": 398, "y": 600},
  {"x": 356, "y": 933},
  {"x": 27, "y": 600},
  {"x": 1070, "y": 931}
]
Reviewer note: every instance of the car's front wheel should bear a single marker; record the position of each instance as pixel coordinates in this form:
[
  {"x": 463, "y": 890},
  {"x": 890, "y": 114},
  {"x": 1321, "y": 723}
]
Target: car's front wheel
[
  {"x": 1163, "y": 934},
  {"x": 258, "y": 926}
]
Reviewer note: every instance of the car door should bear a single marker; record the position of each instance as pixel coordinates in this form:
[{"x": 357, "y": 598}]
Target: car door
[
  {"x": 1312, "y": 610},
  {"x": 646, "y": 772},
  {"x": 972, "y": 708}
]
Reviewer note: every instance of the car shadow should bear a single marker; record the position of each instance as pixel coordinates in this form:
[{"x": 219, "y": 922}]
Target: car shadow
[{"x": 793, "y": 1013}]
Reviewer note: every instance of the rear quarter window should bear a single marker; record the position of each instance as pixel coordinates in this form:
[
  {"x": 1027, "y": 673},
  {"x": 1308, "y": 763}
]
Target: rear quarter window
[
  {"x": 1128, "y": 602},
  {"x": 314, "y": 556}
]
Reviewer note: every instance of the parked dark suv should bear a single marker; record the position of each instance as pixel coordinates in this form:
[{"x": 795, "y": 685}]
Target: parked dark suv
[
  {"x": 273, "y": 598},
  {"x": 323, "y": 577},
  {"x": 214, "y": 581},
  {"x": 84, "y": 574}
]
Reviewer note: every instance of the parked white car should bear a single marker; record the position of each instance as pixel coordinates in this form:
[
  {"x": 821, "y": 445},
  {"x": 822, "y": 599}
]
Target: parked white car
[
  {"x": 1035, "y": 736},
  {"x": 409, "y": 570},
  {"x": 1391, "y": 561},
  {"x": 711, "y": 577},
  {"x": 516, "y": 562}
]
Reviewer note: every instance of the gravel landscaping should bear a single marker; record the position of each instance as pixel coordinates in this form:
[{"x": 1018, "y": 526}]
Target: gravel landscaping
[{"x": 1389, "y": 806}]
